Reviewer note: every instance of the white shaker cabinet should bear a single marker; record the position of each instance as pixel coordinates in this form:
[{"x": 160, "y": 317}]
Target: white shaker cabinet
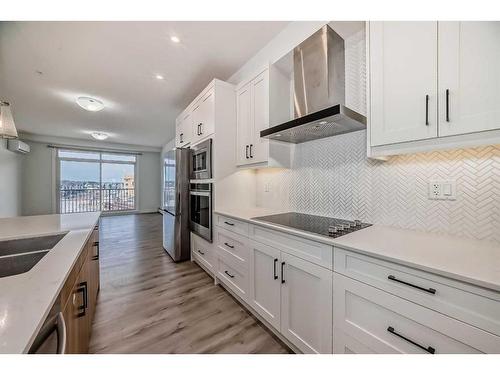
[
  {"x": 244, "y": 123},
  {"x": 265, "y": 282},
  {"x": 403, "y": 81},
  {"x": 203, "y": 117},
  {"x": 433, "y": 85},
  {"x": 306, "y": 304},
  {"x": 469, "y": 77},
  {"x": 183, "y": 130},
  {"x": 260, "y": 146},
  {"x": 253, "y": 116}
]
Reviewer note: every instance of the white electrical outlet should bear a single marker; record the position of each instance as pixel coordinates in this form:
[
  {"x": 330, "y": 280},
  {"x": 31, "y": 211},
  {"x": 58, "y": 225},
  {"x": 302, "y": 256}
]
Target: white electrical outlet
[{"x": 442, "y": 190}]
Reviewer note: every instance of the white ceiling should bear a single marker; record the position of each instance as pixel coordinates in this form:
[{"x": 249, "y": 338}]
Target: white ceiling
[{"x": 44, "y": 66}]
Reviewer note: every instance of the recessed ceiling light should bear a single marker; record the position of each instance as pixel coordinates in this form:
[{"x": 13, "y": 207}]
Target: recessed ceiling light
[
  {"x": 278, "y": 135},
  {"x": 160, "y": 77},
  {"x": 323, "y": 122},
  {"x": 175, "y": 39},
  {"x": 99, "y": 136},
  {"x": 90, "y": 104}
]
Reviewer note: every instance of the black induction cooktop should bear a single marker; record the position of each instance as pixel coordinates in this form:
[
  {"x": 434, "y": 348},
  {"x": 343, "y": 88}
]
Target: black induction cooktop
[{"x": 325, "y": 226}]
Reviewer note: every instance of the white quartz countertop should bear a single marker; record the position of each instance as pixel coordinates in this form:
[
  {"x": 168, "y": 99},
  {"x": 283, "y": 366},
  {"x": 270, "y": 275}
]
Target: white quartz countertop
[
  {"x": 26, "y": 299},
  {"x": 472, "y": 261}
]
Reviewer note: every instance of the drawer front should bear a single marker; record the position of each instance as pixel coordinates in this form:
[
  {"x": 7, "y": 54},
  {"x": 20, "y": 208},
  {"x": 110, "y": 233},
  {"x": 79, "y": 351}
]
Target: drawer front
[
  {"x": 314, "y": 252},
  {"x": 233, "y": 277},
  {"x": 389, "y": 324},
  {"x": 345, "y": 344},
  {"x": 232, "y": 225},
  {"x": 203, "y": 251},
  {"x": 475, "y": 306},
  {"x": 232, "y": 244}
]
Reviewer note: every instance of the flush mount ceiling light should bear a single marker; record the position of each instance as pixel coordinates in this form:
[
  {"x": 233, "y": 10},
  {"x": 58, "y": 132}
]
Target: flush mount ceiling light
[
  {"x": 175, "y": 39},
  {"x": 159, "y": 77},
  {"x": 323, "y": 122},
  {"x": 99, "y": 136},
  {"x": 7, "y": 126},
  {"x": 90, "y": 104}
]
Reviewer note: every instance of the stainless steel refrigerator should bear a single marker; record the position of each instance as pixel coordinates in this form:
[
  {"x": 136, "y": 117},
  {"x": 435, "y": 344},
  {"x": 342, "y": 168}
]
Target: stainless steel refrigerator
[{"x": 176, "y": 232}]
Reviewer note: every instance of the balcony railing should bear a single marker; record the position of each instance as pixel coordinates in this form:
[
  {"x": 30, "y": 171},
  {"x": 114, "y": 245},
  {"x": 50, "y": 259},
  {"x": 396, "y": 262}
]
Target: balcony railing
[{"x": 88, "y": 200}]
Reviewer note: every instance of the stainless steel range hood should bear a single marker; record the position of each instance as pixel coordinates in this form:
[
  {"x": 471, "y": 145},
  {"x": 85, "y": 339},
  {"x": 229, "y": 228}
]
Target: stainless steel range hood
[{"x": 319, "y": 92}]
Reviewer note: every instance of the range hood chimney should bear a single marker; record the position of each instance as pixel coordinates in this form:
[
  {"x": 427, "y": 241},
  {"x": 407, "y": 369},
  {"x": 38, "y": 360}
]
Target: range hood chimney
[{"x": 319, "y": 92}]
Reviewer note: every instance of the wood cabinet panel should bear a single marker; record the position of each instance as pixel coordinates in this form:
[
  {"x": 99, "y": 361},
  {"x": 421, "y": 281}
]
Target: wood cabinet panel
[{"x": 78, "y": 297}]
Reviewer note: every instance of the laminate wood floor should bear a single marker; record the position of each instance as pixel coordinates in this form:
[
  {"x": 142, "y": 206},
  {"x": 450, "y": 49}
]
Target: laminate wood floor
[{"x": 149, "y": 304}]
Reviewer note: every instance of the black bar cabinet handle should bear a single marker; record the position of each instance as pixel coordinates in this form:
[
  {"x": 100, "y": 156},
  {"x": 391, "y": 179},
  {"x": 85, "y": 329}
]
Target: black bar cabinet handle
[
  {"x": 82, "y": 288},
  {"x": 447, "y": 105},
  {"x": 251, "y": 156},
  {"x": 228, "y": 223},
  {"x": 429, "y": 349},
  {"x": 282, "y": 272},
  {"x": 274, "y": 269},
  {"x": 96, "y": 245},
  {"x": 246, "y": 151},
  {"x": 201, "y": 252},
  {"x": 227, "y": 273},
  {"x": 428, "y": 290},
  {"x": 427, "y": 110},
  {"x": 230, "y": 246}
]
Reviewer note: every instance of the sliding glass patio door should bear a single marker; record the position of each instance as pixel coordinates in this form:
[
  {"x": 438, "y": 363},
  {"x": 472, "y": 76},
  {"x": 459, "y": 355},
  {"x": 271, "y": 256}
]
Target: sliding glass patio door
[{"x": 95, "y": 181}]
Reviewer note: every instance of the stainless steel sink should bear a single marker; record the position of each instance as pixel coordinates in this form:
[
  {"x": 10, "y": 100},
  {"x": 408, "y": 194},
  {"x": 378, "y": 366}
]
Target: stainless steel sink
[{"x": 19, "y": 256}]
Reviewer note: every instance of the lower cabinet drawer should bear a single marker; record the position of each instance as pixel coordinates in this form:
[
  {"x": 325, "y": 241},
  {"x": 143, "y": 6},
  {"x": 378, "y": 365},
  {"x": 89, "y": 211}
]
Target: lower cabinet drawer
[
  {"x": 232, "y": 244},
  {"x": 203, "y": 252},
  {"x": 233, "y": 277},
  {"x": 345, "y": 344},
  {"x": 476, "y": 306},
  {"x": 388, "y": 324}
]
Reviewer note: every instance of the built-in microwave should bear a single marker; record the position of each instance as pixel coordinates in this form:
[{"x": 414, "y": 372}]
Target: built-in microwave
[
  {"x": 201, "y": 209},
  {"x": 201, "y": 161}
]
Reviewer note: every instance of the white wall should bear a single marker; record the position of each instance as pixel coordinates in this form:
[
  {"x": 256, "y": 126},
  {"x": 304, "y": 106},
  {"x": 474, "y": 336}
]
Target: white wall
[
  {"x": 10, "y": 181},
  {"x": 38, "y": 176},
  {"x": 279, "y": 46},
  {"x": 149, "y": 181},
  {"x": 38, "y": 171}
]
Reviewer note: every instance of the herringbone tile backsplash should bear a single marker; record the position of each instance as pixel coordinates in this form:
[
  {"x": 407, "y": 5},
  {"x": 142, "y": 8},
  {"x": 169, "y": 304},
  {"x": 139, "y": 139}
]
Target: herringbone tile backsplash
[{"x": 333, "y": 177}]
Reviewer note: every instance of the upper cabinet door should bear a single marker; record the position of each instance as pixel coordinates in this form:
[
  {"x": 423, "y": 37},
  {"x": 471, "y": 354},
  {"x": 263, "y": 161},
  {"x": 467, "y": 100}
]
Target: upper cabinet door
[
  {"x": 207, "y": 106},
  {"x": 184, "y": 132},
  {"x": 403, "y": 85},
  {"x": 243, "y": 123},
  {"x": 469, "y": 77},
  {"x": 203, "y": 117},
  {"x": 259, "y": 146}
]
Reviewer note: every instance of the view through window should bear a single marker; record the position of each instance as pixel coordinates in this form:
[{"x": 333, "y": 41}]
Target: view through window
[{"x": 96, "y": 181}]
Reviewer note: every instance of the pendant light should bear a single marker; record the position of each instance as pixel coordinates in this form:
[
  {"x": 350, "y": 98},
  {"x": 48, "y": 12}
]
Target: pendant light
[{"x": 7, "y": 127}]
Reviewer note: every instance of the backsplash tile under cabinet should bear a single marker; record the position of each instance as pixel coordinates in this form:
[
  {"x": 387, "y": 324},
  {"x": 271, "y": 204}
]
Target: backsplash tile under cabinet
[{"x": 333, "y": 177}]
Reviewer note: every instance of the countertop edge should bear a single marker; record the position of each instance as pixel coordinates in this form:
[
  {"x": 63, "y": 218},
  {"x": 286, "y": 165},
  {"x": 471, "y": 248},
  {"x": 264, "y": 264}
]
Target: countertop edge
[{"x": 332, "y": 242}]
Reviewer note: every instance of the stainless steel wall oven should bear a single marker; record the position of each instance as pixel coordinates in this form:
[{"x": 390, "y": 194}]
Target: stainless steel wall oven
[{"x": 201, "y": 209}]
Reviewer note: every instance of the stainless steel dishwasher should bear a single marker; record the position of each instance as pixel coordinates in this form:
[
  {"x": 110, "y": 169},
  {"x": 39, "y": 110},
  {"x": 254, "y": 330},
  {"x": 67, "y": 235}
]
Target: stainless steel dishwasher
[{"x": 52, "y": 336}]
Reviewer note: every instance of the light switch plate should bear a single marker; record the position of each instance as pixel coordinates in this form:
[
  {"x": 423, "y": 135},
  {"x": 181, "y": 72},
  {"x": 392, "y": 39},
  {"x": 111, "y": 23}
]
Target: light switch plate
[{"x": 442, "y": 190}]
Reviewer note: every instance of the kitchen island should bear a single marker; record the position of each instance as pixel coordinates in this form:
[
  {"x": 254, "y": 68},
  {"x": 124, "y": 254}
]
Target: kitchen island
[{"x": 27, "y": 298}]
